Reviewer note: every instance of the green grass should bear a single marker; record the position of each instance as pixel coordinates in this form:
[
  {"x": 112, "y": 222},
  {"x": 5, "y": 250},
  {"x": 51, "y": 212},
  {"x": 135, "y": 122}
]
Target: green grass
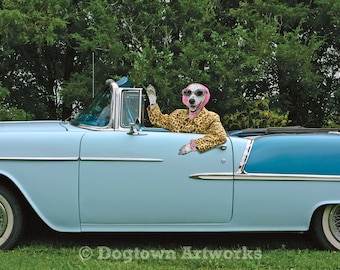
[{"x": 43, "y": 249}]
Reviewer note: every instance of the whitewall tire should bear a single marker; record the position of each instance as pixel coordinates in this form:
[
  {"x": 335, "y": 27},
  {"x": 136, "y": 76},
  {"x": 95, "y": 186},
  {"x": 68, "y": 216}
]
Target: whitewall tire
[
  {"x": 11, "y": 219},
  {"x": 327, "y": 227}
]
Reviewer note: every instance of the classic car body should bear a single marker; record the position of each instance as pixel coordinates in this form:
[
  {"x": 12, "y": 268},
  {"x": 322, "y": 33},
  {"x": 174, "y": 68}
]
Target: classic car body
[{"x": 101, "y": 172}]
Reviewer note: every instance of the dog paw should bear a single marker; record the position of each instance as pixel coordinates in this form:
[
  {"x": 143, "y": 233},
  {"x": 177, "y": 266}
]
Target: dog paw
[
  {"x": 185, "y": 149},
  {"x": 151, "y": 92}
]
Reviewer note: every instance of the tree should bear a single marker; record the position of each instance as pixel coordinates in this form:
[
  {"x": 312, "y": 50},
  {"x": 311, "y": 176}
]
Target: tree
[
  {"x": 10, "y": 113},
  {"x": 255, "y": 114},
  {"x": 290, "y": 75},
  {"x": 29, "y": 34},
  {"x": 44, "y": 43},
  {"x": 282, "y": 53}
]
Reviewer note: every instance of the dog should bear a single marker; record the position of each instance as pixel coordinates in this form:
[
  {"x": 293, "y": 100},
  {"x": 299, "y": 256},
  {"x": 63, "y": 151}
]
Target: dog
[
  {"x": 195, "y": 96},
  {"x": 197, "y": 119}
]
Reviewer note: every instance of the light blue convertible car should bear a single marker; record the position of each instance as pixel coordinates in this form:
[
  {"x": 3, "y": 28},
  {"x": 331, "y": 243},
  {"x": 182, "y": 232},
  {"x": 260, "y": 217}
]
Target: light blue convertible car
[{"x": 104, "y": 172}]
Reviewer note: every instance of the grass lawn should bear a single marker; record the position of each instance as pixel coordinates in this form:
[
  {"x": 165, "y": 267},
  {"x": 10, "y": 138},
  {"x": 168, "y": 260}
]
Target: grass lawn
[{"x": 45, "y": 249}]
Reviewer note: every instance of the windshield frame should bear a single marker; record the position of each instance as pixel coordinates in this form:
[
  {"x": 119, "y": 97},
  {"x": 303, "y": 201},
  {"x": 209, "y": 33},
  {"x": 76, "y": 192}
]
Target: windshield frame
[{"x": 117, "y": 106}]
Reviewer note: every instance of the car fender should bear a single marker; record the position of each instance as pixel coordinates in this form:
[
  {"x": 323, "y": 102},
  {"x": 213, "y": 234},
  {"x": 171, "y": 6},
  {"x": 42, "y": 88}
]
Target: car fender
[{"x": 48, "y": 175}]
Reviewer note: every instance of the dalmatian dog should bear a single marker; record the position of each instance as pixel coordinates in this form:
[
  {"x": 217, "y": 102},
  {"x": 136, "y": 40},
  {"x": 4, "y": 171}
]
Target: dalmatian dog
[{"x": 195, "y": 119}]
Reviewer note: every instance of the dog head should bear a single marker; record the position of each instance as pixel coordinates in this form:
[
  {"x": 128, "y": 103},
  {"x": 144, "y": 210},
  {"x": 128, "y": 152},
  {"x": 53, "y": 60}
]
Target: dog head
[{"x": 195, "y": 96}]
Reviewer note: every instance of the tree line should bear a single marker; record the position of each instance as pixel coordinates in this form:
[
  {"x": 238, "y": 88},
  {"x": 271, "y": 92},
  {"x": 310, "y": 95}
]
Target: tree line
[{"x": 266, "y": 62}]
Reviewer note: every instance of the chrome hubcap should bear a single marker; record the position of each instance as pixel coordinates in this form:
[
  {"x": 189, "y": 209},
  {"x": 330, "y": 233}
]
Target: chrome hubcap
[
  {"x": 3, "y": 219},
  {"x": 334, "y": 221}
]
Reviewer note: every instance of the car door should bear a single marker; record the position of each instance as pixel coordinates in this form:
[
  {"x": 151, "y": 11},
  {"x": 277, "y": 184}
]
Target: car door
[{"x": 141, "y": 180}]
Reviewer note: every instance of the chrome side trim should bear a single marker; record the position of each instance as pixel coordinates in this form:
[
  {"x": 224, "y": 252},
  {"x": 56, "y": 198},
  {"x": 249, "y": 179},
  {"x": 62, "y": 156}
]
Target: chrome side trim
[
  {"x": 245, "y": 156},
  {"x": 212, "y": 176},
  {"x": 286, "y": 177},
  {"x": 265, "y": 177},
  {"x": 121, "y": 159},
  {"x": 82, "y": 159},
  {"x": 40, "y": 158}
]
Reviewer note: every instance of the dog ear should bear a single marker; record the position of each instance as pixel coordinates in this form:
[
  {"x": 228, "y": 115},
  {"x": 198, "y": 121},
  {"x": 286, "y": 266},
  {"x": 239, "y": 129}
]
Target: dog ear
[{"x": 185, "y": 100}]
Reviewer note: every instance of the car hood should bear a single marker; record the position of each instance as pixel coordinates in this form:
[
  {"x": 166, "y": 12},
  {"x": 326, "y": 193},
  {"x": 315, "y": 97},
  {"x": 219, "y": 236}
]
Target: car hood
[{"x": 32, "y": 126}]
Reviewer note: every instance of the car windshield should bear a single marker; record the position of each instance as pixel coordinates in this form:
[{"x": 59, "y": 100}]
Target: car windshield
[{"x": 97, "y": 113}]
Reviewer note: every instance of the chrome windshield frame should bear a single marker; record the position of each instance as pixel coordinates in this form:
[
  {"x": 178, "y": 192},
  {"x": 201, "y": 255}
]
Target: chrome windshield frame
[{"x": 116, "y": 107}]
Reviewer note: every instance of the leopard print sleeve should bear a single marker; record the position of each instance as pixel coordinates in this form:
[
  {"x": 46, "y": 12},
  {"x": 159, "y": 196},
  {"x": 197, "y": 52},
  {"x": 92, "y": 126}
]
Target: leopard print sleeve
[
  {"x": 206, "y": 122},
  {"x": 158, "y": 119},
  {"x": 215, "y": 134}
]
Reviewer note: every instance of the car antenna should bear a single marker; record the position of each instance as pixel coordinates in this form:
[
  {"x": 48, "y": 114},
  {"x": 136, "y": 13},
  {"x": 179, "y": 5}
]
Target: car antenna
[{"x": 93, "y": 74}]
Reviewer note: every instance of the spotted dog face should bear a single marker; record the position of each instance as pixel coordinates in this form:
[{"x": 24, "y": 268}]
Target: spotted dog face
[{"x": 195, "y": 96}]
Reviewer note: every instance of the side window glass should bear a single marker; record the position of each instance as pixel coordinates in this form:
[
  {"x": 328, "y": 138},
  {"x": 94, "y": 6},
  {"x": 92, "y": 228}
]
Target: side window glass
[
  {"x": 130, "y": 107},
  {"x": 97, "y": 113}
]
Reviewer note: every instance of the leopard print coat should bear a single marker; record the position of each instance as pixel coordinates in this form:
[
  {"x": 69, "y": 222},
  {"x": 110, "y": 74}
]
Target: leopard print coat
[{"x": 206, "y": 122}]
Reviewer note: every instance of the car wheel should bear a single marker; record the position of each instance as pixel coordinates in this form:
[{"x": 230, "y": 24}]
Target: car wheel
[
  {"x": 327, "y": 227},
  {"x": 11, "y": 219}
]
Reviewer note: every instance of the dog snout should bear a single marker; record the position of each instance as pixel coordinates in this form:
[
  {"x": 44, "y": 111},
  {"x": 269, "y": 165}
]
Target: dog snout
[{"x": 192, "y": 101}]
